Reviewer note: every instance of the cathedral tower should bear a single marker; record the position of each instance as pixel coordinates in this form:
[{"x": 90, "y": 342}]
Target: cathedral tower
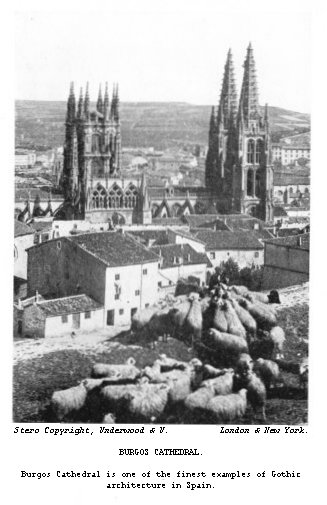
[{"x": 238, "y": 171}]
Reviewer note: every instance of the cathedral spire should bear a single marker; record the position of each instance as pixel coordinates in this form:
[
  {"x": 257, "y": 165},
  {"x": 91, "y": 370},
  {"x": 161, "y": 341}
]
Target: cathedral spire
[
  {"x": 80, "y": 105},
  {"x": 212, "y": 151},
  {"x": 227, "y": 109},
  {"x": 100, "y": 101},
  {"x": 249, "y": 102},
  {"x": 106, "y": 102},
  {"x": 113, "y": 103},
  {"x": 87, "y": 102},
  {"x": 71, "y": 105},
  {"x": 117, "y": 111}
]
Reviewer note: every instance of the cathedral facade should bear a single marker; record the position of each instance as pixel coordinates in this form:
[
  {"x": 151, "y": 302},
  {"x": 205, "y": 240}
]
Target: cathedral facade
[
  {"x": 238, "y": 164},
  {"x": 91, "y": 180}
]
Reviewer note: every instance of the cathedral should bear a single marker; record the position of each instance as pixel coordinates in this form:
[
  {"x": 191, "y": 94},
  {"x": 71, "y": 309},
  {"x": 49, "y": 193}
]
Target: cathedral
[
  {"x": 238, "y": 172},
  {"x": 238, "y": 167},
  {"x": 91, "y": 180}
]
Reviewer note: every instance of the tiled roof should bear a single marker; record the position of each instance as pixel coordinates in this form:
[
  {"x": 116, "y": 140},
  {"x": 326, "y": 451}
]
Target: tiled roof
[
  {"x": 114, "y": 248},
  {"x": 22, "y": 229},
  {"x": 221, "y": 240},
  {"x": 291, "y": 178},
  {"x": 205, "y": 221},
  {"x": 299, "y": 141},
  {"x": 169, "y": 221},
  {"x": 186, "y": 234},
  {"x": 300, "y": 241},
  {"x": 185, "y": 251},
  {"x": 41, "y": 225},
  {"x": 244, "y": 222},
  {"x": 279, "y": 212},
  {"x": 23, "y": 194},
  {"x": 68, "y": 305},
  {"x": 157, "y": 237}
]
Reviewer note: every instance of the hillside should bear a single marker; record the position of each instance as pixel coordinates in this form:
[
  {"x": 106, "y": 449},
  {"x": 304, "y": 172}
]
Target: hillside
[{"x": 157, "y": 124}]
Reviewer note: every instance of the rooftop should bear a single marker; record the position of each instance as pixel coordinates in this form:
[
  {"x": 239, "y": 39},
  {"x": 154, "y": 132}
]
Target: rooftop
[
  {"x": 299, "y": 241},
  {"x": 114, "y": 248},
  {"x": 68, "y": 305},
  {"x": 221, "y": 240},
  {"x": 22, "y": 229},
  {"x": 205, "y": 221},
  {"x": 157, "y": 237},
  {"x": 174, "y": 255}
]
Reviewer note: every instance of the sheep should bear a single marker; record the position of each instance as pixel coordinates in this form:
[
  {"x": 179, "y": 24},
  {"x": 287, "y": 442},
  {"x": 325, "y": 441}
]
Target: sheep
[
  {"x": 234, "y": 325},
  {"x": 193, "y": 322},
  {"x": 277, "y": 337},
  {"x": 257, "y": 393},
  {"x": 142, "y": 317},
  {"x": 210, "y": 372},
  {"x": 227, "y": 408},
  {"x": 269, "y": 309},
  {"x": 244, "y": 365},
  {"x": 168, "y": 364},
  {"x": 147, "y": 402},
  {"x": 109, "y": 419},
  {"x": 226, "y": 343},
  {"x": 178, "y": 316},
  {"x": 219, "y": 320},
  {"x": 205, "y": 303},
  {"x": 116, "y": 372},
  {"x": 160, "y": 325},
  {"x": 68, "y": 401},
  {"x": 198, "y": 400},
  {"x": 304, "y": 372},
  {"x": 273, "y": 296},
  {"x": 264, "y": 317},
  {"x": 239, "y": 290},
  {"x": 246, "y": 319},
  {"x": 267, "y": 370},
  {"x": 116, "y": 398},
  {"x": 222, "y": 385}
]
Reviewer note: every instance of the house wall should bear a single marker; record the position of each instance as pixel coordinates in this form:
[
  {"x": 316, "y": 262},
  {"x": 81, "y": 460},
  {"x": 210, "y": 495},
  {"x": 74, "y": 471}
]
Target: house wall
[
  {"x": 131, "y": 279},
  {"x": 244, "y": 258},
  {"x": 33, "y": 322},
  {"x": 61, "y": 268},
  {"x": 169, "y": 276},
  {"x": 285, "y": 266},
  {"x": 20, "y": 255},
  {"x": 54, "y": 327}
]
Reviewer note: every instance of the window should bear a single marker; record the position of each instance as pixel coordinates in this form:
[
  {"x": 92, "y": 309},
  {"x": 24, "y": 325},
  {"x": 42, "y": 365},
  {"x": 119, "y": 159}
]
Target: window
[
  {"x": 45, "y": 237},
  {"x": 137, "y": 292},
  {"x": 121, "y": 312},
  {"x": 117, "y": 296},
  {"x": 212, "y": 255},
  {"x": 64, "y": 318},
  {"x": 250, "y": 151},
  {"x": 117, "y": 277},
  {"x": 256, "y": 254},
  {"x": 87, "y": 315},
  {"x": 145, "y": 271},
  {"x": 147, "y": 305},
  {"x": 59, "y": 245},
  {"x": 170, "y": 283},
  {"x": 159, "y": 284}
]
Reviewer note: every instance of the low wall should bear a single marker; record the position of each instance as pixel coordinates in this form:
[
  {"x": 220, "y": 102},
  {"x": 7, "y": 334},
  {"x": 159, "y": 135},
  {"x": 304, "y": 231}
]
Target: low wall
[{"x": 274, "y": 277}]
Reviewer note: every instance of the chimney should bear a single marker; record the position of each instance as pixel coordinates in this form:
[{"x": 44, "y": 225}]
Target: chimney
[{"x": 36, "y": 296}]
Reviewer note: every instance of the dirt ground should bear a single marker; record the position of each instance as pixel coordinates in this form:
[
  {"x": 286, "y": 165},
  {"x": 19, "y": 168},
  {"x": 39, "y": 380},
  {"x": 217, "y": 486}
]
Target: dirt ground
[{"x": 44, "y": 366}]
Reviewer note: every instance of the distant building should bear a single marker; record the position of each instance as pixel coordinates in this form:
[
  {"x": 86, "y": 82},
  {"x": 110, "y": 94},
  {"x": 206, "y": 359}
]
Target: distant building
[
  {"x": 180, "y": 261},
  {"x": 110, "y": 267},
  {"x": 242, "y": 247},
  {"x": 24, "y": 158},
  {"x": 289, "y": 186},
  {"x": 291, "y": 149},
  {"x": 286, "y": 261}
]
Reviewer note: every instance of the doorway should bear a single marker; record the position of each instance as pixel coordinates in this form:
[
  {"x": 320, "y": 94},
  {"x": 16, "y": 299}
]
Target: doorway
[
  {"x": 110, "y": 317},
  {"x": 76, "y": 321}
]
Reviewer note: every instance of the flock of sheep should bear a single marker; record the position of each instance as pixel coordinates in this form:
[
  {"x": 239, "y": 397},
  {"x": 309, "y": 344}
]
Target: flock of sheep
[{"x": 239, "y": 354}]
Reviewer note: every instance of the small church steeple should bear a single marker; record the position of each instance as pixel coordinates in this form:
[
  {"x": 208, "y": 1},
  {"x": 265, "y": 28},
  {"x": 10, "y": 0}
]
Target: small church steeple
[
  {"x": 106, "y": 103},
  {"x": 80, "y": 105},
  {"x": 100, "y": 101},
  {"x": 71, "y": 105},
  {"x": 87, "y": 102}
]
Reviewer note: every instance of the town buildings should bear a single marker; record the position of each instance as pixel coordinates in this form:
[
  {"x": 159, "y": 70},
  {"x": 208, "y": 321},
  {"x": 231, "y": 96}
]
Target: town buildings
[
  {"x": 290, "y": 149},
  {"x": 110, "y": 267},
  {"x": 24, "y": 238}
]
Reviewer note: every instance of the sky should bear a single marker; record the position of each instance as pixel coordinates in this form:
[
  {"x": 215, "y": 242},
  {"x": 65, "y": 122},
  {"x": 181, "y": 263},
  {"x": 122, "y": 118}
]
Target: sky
[{"x": 162, "y": 55}]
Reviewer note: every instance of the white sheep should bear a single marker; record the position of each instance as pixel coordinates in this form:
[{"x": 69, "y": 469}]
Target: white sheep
[
  {"x": 267, "y": 370},
  {"x": 239, "y": 290},
  {"x": 273, "y": 296},
  {"x": 264, "y": 316},
  {"x": 198, "y": 400},
  {"x": 277, "y": 336},
  {"x": 222, "y": 385},
  {"x": 257, "y": 394},
  {"x": 246, "y": 319},
  {"x": 210, "y": 372},
  {"x": 304, "y": 372},
  {"x": 109, "y": 418},
  {"x": 147, "y": 402},
  {"x": 227, "y": 408},
  {"x": 234, "y": 325},
  {"x": 226, "y": 343},
  {"x": 68, "y": 401},
  {"x": 127, "y": 371}
]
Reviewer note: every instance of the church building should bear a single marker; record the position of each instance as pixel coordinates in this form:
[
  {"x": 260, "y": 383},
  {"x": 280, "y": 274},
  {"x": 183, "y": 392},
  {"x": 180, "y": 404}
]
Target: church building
[
  {"x": 91, "y": 181},
  {"x": 238, "y": 165}
]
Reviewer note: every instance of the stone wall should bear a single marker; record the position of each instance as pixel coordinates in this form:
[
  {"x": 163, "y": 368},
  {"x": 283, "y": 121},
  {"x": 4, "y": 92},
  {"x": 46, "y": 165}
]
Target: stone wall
[
  {"x": 33, "y": 322},
  {"x": 274, "y": 277}
]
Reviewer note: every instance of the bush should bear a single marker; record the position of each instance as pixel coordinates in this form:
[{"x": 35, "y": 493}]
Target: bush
[{"x": 251, "y": 277}]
